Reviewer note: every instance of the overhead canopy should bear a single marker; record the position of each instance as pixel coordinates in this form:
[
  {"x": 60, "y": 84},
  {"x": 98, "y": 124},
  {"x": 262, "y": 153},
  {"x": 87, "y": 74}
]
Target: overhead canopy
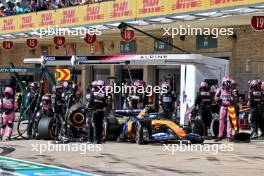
[{"x": 155, "y": 59}]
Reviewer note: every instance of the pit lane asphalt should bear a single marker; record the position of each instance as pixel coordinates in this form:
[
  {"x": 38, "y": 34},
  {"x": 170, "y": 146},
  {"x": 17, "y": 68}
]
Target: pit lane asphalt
[{"x": 132, "y": 159}]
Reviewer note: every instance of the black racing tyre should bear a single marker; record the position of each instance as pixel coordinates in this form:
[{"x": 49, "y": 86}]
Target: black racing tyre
[
  {"x": 111, "y": 128},
  {"x": 142, "y": 133},
  {"x": 46, "y": 128},
  {"x": 197, "y": 127},
  {"x": 214, "y": 128},
  {"x": 195, "y": 141}
]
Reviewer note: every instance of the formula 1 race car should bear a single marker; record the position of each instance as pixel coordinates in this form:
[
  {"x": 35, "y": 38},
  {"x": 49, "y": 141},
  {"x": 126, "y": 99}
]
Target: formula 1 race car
[
  {"x": 143, "y": 126},
  {"x": 167, "y": 130}
]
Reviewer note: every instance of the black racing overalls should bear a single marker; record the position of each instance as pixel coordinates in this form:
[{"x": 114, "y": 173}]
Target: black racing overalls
[
  {"x": 255, "y": 115},
  {"x": 204, "y": 103}
]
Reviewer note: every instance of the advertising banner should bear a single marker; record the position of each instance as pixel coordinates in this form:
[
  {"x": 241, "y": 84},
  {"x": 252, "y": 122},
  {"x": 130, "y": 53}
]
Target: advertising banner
[{"x": 110, "y": 12}]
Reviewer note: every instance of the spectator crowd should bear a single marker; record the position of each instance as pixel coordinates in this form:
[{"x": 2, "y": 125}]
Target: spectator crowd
[{"x": 13, "y": 7}]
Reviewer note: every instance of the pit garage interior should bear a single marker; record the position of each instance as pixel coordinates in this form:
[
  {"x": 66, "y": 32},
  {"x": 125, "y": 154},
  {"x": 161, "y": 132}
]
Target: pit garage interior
[{"x": 189, "y": 70}]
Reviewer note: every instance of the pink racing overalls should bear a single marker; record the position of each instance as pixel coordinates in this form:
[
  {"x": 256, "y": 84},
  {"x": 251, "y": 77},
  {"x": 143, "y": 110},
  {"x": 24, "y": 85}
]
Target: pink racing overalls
[
  {"x": 7, "y": 107},
  {"x": 225, "y": 98}
]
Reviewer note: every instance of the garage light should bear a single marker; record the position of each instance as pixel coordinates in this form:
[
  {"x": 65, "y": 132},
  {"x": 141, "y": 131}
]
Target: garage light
[
  {"x": 113, "y": 24},
  {"x": 139, "y": 23},
  {"x": 208, "y": 15},
  {"x": 100, "y": 27},
  {"x": 180, "y": 17},
  {"x": 184, "y": 17},
  {"x": 34, "y": 33},
  {"x": 9, "y": 36},
  {"x": 161, "y": 20},
  {"x": 233, "y": 11},
  {"x": 190, "y": 17},
  {"x": 166, "y": 20},
  {"x": 23, "y": 35},
  {"x": 249, "y": 10},
  {"x": 157, "y": 19},
  {"x": 257, "y": 7}
]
